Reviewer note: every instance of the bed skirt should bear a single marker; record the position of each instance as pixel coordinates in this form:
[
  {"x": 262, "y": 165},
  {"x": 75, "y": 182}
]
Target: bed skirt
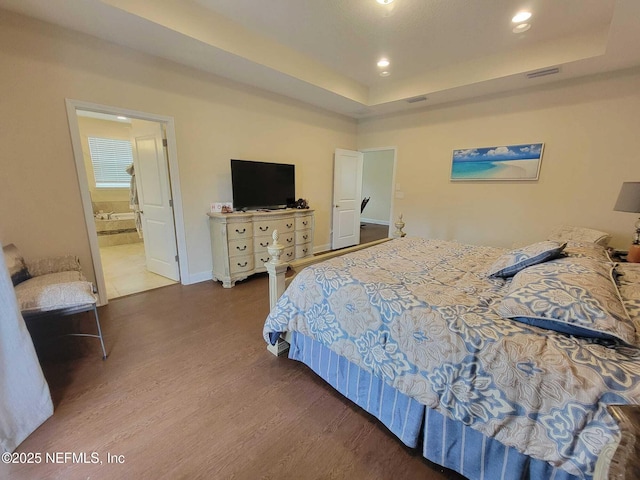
[
  {"x": 461, "y": 448},
  {"x": 444, "y": 441}
]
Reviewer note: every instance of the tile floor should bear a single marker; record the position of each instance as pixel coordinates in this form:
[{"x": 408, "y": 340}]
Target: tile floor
[{"x": 125, "y": 271}]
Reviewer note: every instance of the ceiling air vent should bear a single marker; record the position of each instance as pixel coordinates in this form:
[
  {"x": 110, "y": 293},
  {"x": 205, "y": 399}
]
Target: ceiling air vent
[
  {"x": 543, "y": 73},
  {"x": 416, "y": 99}
]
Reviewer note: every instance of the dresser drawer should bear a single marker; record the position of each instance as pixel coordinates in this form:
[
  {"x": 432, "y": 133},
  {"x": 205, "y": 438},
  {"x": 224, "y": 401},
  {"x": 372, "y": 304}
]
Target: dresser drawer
[
  {"x": 289, "y": 254},
  {"x": 244, "y": 246},
  {"x": 303, "y": 236},
  {"x": 266, "y": 227},
  {"x": 260, "y": 244},
  {"x": 241, "y": 264},
  {"x": 239, "y": 230},
  {"x": 304, "y": 250},
  {"x": 260, "y": 259},
  {"x": 304, "y": 222}
]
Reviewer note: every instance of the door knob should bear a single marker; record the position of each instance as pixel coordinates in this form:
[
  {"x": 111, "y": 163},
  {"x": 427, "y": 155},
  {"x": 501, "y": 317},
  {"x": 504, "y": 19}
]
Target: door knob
[{"x": 337, "y": 206}]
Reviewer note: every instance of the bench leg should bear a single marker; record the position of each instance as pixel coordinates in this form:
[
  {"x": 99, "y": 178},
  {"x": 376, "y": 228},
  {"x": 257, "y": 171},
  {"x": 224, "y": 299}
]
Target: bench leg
[{"x": 104, "y": 352}]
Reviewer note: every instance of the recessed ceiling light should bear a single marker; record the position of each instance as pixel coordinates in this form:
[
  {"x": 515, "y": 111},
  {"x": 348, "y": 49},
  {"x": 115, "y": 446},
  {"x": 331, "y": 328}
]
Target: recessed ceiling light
[
  {"x": 383, "y": 62},
  {"x": 120, "y": 117},
  {"x": 521, "y": 17},
  {"x": 384, "y": 2},
  {"x": 523, "y": 27},
  {"x": 385, "y": 73}
]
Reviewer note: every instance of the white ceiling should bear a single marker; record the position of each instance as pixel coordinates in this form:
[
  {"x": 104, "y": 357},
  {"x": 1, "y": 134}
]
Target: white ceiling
[{"x": 324, "y": 52}]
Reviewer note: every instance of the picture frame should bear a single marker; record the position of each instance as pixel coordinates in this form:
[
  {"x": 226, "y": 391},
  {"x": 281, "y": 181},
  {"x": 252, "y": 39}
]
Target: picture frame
[{"x": 517, "y": 162}]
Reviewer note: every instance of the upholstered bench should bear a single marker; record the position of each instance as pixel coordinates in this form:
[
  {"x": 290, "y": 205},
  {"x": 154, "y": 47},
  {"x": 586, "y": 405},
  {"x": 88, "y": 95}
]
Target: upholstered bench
[{"x": 49, "y": 286}]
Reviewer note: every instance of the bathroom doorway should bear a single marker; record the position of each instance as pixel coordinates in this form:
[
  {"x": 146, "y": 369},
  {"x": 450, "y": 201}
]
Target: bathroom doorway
[
  {"x": 378, "y": 177},
  {"x": 130, "y": 212}
]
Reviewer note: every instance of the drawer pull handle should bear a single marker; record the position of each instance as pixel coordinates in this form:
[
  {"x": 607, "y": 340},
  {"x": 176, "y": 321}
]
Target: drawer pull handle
[
  {"x": 241, "y": 232},
  {"x": 263, "y": 229},
  {"x": 305, "y": 223},
  {"x": 305, "y": 237},
  {"x": 264, "y": 261},
  {"x": 305, "y": 250},
  {"x": 289, "y": 240},
  {"x": 243, "y": 264},
  {"x": 289, "y": 225},
  {"x": 265, "y": 244},
  {"x": 244, "y": 247},
  {"x": 289, "y": 254}
]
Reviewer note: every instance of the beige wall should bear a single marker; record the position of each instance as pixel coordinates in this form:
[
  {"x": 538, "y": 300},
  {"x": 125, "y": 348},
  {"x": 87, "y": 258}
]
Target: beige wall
[
  {"x": 215, "y": 120},
  {"x": 591, "y": 133},
  {"x": 95, "y": 127}
]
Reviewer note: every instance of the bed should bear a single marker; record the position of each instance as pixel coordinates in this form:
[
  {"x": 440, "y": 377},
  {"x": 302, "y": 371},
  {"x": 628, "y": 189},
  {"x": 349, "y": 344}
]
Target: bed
[{"x": 496, "y": 363}]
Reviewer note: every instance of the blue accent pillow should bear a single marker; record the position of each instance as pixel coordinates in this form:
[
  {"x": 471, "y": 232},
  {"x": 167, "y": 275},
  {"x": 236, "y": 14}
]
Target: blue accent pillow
[
  {"x": 576, "y": 296},
  {"x": 512, "y": 262}
]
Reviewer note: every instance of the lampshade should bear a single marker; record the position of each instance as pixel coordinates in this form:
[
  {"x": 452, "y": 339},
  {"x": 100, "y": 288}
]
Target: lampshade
[{"x": 628, "y": 198}]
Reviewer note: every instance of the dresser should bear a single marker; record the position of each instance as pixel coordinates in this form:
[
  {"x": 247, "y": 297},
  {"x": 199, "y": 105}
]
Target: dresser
[{"x": 239, "y": 241}]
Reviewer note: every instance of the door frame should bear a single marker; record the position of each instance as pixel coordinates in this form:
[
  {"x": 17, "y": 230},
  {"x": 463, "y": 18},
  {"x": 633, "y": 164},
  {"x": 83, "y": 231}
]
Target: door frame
[
  {"x": 172, "y": 154},
  {"x": 393, "y": 180}
]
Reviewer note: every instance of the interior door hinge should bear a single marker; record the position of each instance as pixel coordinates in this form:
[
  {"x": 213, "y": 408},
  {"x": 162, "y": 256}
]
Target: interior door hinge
[
  {"x": 164, "y": 142},
  {"x": 171, "y": 202},
  {"x": 176, "y": 258}
]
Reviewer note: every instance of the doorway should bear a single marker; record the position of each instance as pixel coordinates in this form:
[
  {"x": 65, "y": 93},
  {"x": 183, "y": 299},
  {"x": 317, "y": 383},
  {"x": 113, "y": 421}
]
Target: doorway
[
  {"x": 363, "y": 187},
  {"x": 134, "y": 244},
  {"x": 377, "y": 194}
]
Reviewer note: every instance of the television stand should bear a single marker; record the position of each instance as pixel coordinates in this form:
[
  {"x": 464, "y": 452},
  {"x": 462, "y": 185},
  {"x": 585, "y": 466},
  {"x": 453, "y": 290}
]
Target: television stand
[{"x": 239, "y": 240}]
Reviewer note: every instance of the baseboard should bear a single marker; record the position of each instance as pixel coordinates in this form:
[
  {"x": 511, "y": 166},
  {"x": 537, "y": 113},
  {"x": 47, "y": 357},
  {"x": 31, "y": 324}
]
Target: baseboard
[
  {"x": 371, "y": 220},
  {"x": 197, "y": 277},
  {"x": 321, "y": 248}
]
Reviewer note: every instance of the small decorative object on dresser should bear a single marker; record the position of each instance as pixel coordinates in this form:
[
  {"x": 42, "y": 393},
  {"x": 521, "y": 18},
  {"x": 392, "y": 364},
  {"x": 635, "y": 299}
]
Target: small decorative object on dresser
[
  {"x": 629, "y": 201},
  {"x": 239, "y": 241},
  {"x": 302, "y": 203},
  {"x": 222, "y": 207}
]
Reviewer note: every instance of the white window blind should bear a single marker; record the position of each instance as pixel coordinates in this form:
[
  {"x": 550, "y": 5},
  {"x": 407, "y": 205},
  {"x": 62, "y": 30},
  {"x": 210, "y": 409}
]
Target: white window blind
[{"x": 110, "y": 159}]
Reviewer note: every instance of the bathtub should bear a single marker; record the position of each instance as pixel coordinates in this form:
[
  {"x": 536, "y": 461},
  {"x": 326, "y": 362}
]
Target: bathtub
[
  {"x": 122, "y": 216},
  {"x": 118, "y": 229}
]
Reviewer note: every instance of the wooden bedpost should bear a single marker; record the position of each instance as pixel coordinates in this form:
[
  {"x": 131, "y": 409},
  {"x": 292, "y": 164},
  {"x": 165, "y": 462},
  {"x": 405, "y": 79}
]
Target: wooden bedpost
[{"x": 277, "y": 269}]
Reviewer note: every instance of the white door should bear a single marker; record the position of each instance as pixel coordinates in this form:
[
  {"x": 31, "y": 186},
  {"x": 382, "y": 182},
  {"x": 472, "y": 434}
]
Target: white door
[
  {"x": 347, "y": 193},
  {"x": 154, "y": 196}
]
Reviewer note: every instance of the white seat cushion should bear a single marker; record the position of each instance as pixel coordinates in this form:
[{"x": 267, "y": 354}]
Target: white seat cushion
[{"x": 54, "y": 291}]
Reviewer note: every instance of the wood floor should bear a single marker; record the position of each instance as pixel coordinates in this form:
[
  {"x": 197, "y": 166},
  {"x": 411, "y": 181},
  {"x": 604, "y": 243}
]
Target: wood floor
[
  {"x": 189, "y": 391},
  {"x": 372, "y": 231}
]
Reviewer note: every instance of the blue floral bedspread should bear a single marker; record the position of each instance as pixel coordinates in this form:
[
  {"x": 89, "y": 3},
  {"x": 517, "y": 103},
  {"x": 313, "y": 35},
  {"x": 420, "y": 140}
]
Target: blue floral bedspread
[{"x": 421, "y": 315}]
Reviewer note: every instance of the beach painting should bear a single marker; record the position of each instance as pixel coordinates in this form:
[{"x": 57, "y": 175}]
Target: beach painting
[{"x": 507, "y": 162}]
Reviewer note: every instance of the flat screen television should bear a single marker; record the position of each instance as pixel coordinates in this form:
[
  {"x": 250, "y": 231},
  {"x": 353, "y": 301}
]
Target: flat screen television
[{"x": 258, "y": 185}]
